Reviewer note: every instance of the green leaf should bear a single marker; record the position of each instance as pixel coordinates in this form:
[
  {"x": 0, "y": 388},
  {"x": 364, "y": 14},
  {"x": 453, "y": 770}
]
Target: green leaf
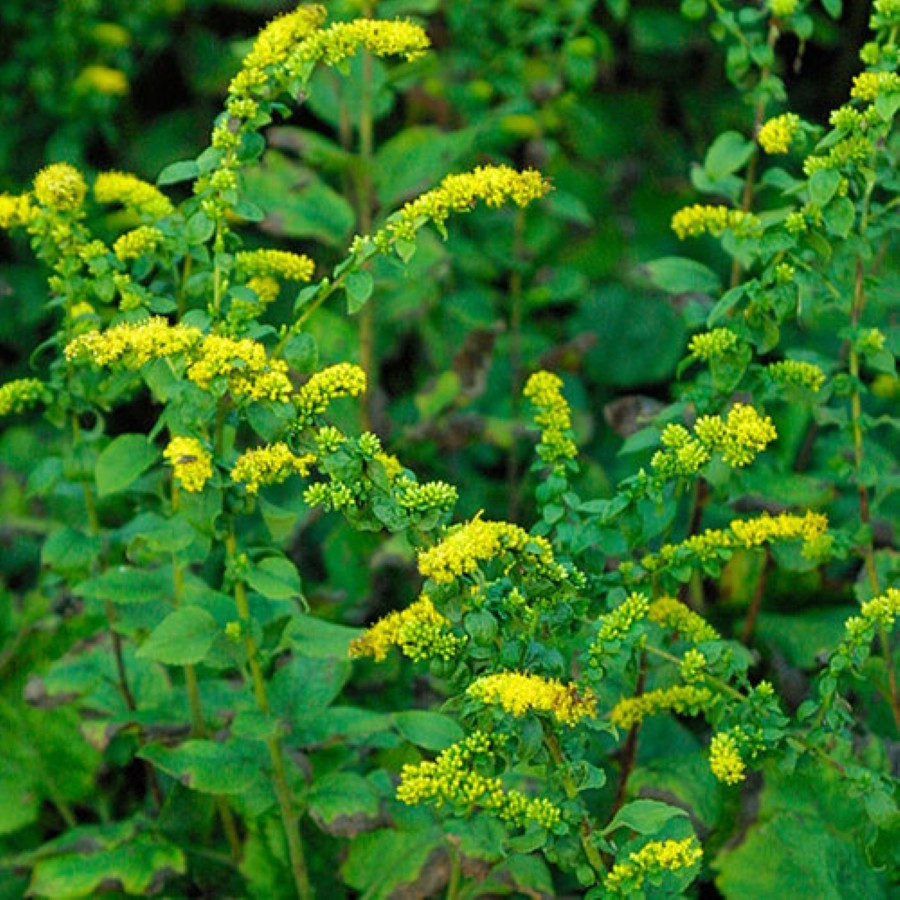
[
  {"x": 301, "y": 352},
  {"x": 379, "y": 862},
  {"x": 124, "y": 584},
  {"x": 205, "y": 766},
  {"x": 644, "y": 816},
  {"x": 68, "y": 550},
  {"x": 359, "y": 286},
  {"x": 176, "y": 172},
  {"x": 133, "y": 868},
  {"x": 316, "y": 638},
  {"x": 727, "y": 153},
  {"x": 199, "y": 228},
  {"x": 678, "y": 275},
  {"x": 834, "y": 8},
  {"x": 183, "y": 638},
  {"x": 122, "y": 461},
  {"x": 275, "y": 577},
  {"x": 823, "y": 185},
  {"x": 430, "y": 730},
  {"x": 342, "y": 795},
  {"x": 839, "y": 215}
]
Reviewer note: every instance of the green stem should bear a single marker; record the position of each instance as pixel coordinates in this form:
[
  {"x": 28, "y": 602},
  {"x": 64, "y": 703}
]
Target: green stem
[
  {"x": 455, "y": 880},
  {"x": 515, "y": 361},
  {"x": 289, "y": 817}
]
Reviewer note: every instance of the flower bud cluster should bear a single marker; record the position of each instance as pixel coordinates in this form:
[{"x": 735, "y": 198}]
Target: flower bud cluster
[
  {"x": 519, "y": 693},
  {"x": 21, "y": 394},
  {"x": 271, "y": 464},
  {"x": 776, "y": 134},
  {"x": 693, "y": 221},
  {"x": 133, "y": 193},
  {"x": 667, "y": 612},
  {"x": 544, "y": 390},
  {"x": 191, "y": 461},
  {"x": 627, "y": 879},
  {"x": 797, "y": 372},
  {"x": 685, "y": 699},
  {"x": 341, "y": 380},
  {"x": 713, "y": 344}
]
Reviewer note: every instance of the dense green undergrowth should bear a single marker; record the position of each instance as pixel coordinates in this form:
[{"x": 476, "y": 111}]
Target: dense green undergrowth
[{"x": 339, "y": 559}]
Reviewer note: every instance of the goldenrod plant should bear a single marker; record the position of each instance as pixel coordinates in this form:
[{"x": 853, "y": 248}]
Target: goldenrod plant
[{"x": 573, "y": 701}]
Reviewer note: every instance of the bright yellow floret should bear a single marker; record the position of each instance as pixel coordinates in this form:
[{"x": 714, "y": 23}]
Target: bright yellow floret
[
  {"x": 667, "y": 612},
  {"x": 191, "y": 461},
  {"x": 519, "y": 693},
  {"x": 341, "y": 380},
  {"x": 725, "y": 759},
  {"x": 60, "y": 186},
  {"x": 776, "y": 135},
  {"x": 685, "y": 699},
  {"x": 21, "y": 394},
  {"x": 544, "y": 390},
  {"x": 653, "y": 859},
  {"x": 133, "y": 193},
  {"x": 134, "y": 344},
  {"x": 272, "y": 464},
  {"x": 274, "y": 263},
  {"x": 692, "y": 221}
]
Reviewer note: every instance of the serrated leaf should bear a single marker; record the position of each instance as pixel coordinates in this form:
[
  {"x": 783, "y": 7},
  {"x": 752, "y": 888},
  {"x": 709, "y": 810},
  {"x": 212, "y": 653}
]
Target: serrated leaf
[
  {"x": 275, "y": 577},
  {"x": 644, "y": 816},
  {"x": 183, "y": 638},
  {"x": 122, "y": 462},
  {"x": 359, "y": 286},
  {"x": 430, "y": 730},
  {"x": 342, "y": 794},
  {"x": 124, "y": 584},
  {"x": 678, "y": 275},
  {"x": 729, "y": 152},
  {"x": 176, "y": 172},
  {"x": 205, "y": 766},
  {"x": 69, "y": 550}
]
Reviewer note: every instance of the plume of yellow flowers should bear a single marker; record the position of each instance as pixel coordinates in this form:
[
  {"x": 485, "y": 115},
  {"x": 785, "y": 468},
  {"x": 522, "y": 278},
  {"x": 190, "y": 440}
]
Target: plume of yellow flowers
[
  {"x": 667, "y": 612},
  {"x": 21, "y": 394},
  {"x": 15, "y": 210},
  {"x": 60, "y": 186},
  {"x": 340, "y": 40},
  {"x": 795, "y": 371},
  {"x": 467, "y": 546},
  {"x": 341, "y": 380},
  {"x": 191, "y": 461},
  {"x": 879, "y": 612},
  {"x": 692, "y": 221},
  {"x": 280, "y": 263},
  {"x": 544, "y": 390},
  {"x": 868, "y": 85},
  {"x": 271, "y": 464},
  {"x": 134, "y": 344},
  {"x": 419, "y": 632},
  {"x": 776, "y": 134},
  {"x": 652, "y": 860},
  {"x": 713, "y": 344},
  {"x": 685, "y": 699},
  {"x": 725, "y": 758},
  {"x": 245, "y": 364},
  {"x": 451, "y": 780},
  {"x": 137, "y": 242},
  {"x": 519, "y": 693},
  {"x": 133, "y": 193}
]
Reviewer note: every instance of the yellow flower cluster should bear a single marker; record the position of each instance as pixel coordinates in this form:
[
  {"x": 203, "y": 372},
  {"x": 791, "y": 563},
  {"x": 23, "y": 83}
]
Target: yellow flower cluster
[
  {"x": 879, "y": 612},
  {"x": 341, "y": 380},
  {"x": 693, "y": 666},
  {"x": 743, "y": 435},
  {"x": 795, "y": 371},
  {"x": 692, "y": 221},
  {"x": 520, "y": 693},
  {"x": 451, "y": 780},
  {"x": 191, "y": 461},
  {"x": 782, "y": 8},
  {"x": 265, "y": 288},
  {"x": 134, "y": 344},
  {"x": 495, "y": 185},
  {"x": 15, "y": 210},
  {"x": 245, "y": 364},
  {"x": 684, "y": 454},
  {"x": 103, "y": 80},
  {"x": 868, "y": 85},
  {"x": 137, "y": 242},
  {"x": 19, "y": 395},
  {"x": 667, "y": 612},
  {"x": 419, "y": 631},
  {"x": 784, "y": 527},
  {"x": 725, "y": 758},
  {"x": 274, "y": 43},
  {"x": 776, "y": 135},
  {"x": 854, "y": 150},
  {"x": 60, "y": 186},
  {"x": 341, "y": 40},
  {"x": 467, "y": 546},
  {"x": 269, "y": 465},
  {"x": 280, "y": 263},
  {"x": 685, "y": 699},
  {"x": 652, "y": 860},
  {"x": 617, "y": 624},
  {"x": 544, "y": 390},
  {"x": 412, "y": 495},
  {"x": 713, "y": 344},
  {"x": 133, "y": 193}
]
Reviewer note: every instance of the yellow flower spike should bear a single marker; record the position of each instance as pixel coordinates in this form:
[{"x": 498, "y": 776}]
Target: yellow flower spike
[
  {"x": 133, "y": 193},
  {"x": 134, "y": 344},
  {"x": 685, "y": 699},
  {"x": 627, "y": 878},
  {"x": 466, "y": 546},
  {"x": 784, "y": 527},
  {"x": 341, "y": 380},
  {"x": 616, "y": 624},
  {"x": 274, "y": 263},
  {"x": 667, "y": 612},
  {"x": 868, "y": 85},
  {"x": 713, "y": 344},
  {"x": 725, "y": 758},
  {"x": 60, "y": 186},
  {"x": 15, "y": 211},
  {"x": 520, "y": 692},
  {"x": 272, "y": 464},
  {"x": 544, "y": 390},
  {"x": 191, "y": 461},
  {"x": 245, "y": 364},
  {"x": 265, "y": 288},
  {"x": 797, "y": 372},
  {"x": 495, "y": 185},
  {"x": 137, "y": 242},
  {"x": 776, "y": 134},
  {"x": 21, "y": 394},
  {"x": 693, "y": 221},
  {"x": 419, "y": 632},
  {"x": 383, "y": 37}
]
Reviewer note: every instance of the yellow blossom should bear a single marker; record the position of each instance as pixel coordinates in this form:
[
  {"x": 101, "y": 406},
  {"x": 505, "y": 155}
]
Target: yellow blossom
[
  {"x": 520, "y": 693},
  {"x": 667, "y": 612},
  {"x": 21, "y": 394},
  {"x": 878, "y": 613},
  {"x": 496, "y": 185},
  {"x": 103, "y": 80},
  {"x": 134, "y": 344},
  {"x": 137, "y": 242},
  {"x": 784, "y": 527},
  {"x": 245, "y": 364},
  {"x": 685, "y": 699},
  {"x": 420, "y": 497},
  {"x": 776, "y": 134},
  {"x": 692, "y": 221},
  {"x": 341, "y": 380},
  {"x": 265, "y": 288},
  {"x": 271, "y": 464},
  {"x": 451, "y": 780},
  {"x": 383, "y": 37},
  {"x": 782, "y": 8},
  {"x": 794, "y": 371},
  {"x": 467, "y": 546},
  {"x": 713, "y": 344},
  {"x": 15, "y": 211},
  {"x": 133, "y": 193},
  {"x": 617, "y": 624},
  {"x": 60, "y": 186},
  {"x": 419, "y": 631},
  {"x": 281, "y": 263},
  {"x": 191, "y": 461},
  {"x": 868, "y": 85},
  {"x": 652, "y": 860},
  {"x": 725, "y": 758},
  {"x": 544, "y": 390}
]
